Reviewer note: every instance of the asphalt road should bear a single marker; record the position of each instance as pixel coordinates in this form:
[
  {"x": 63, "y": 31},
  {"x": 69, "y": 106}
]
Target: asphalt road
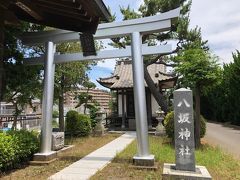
[{"x": 225, "y": 136}]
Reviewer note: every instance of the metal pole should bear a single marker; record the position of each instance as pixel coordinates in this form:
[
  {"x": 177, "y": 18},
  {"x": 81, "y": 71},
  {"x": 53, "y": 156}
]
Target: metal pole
[
  {"x": 47, "y": 103},
  {"x": 139, "y": 95}
]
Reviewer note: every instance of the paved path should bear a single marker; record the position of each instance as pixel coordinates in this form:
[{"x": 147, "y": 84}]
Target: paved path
[
  {"x": 95, "y": 161},
  {"x": 226, "y": 137}
]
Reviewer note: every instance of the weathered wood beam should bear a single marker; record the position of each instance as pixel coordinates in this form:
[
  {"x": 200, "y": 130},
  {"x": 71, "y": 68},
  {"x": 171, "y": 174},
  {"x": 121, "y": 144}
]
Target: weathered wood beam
[
  {"x": 65, "y": 4},
  {"x": 71, "y": 14},
  {"x": 65, "y": 11},
  {"x": 11, "y": 19},
  {"x": 4, "y": 4},
  {"x": 29, "y": 8},
  {"x": 87, "y": 7}
]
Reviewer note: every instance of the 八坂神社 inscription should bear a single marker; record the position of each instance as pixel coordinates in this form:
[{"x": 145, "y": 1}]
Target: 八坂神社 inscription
[{"x": 184, "y": 130}]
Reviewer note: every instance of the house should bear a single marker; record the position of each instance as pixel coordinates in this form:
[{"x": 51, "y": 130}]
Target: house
[{"x": 122, "y": 83}]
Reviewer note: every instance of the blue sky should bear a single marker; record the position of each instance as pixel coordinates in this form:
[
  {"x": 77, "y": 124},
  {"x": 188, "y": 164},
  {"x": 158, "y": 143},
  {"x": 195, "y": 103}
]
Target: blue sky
[{"x": 219, "y": 21}]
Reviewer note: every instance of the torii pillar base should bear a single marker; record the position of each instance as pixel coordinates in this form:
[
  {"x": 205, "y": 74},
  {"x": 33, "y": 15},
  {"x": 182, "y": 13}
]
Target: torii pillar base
[
  {"x": 144, "y": 161},
  {"x": 44, "y": 158}
]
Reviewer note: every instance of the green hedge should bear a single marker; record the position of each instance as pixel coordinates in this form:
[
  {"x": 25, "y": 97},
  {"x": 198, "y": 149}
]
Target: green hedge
[
  {"x": 17, "y": 147},
  {"x": 78, "y": 124},
  {"x": 169, "y": 125}
]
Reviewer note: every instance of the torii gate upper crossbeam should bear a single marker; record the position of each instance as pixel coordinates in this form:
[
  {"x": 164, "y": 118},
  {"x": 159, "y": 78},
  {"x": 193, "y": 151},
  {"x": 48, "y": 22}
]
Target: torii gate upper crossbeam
[{"x": 158, "y": 23}]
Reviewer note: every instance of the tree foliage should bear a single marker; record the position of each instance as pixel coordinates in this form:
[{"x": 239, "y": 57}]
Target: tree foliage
[
  {"x": 198, "y": 70},
  {"x": 86, "y": 99},
  {"x": 68, "y": 76},
  {"x": 197, "y": 67},
  {"x": 22, "y": 83},
  {"x": 221, "y": 102},
  {"x": 17, "y": 147}
]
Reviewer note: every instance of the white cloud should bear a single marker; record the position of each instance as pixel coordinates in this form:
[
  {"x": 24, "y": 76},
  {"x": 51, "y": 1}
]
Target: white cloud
[
  {"x": 138, "y": 3},
  {"x": 220, "y": 24},
  {"x": 108, "y": 63}
]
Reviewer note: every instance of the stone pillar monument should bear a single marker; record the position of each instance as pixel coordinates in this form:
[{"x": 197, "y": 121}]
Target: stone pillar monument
[
  {"x": 185, "y": 167},
  {"x": 184, "y": 130}
]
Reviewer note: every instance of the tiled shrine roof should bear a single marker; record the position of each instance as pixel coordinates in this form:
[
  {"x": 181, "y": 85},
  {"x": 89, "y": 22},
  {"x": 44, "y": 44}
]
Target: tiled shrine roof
[{"x": 122, "y": 76}]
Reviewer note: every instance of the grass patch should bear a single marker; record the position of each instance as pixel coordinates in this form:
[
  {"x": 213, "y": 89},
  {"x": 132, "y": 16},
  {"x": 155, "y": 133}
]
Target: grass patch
[
  {"x": 83, "y": 146},
  {"x": 220, "y": 165}
]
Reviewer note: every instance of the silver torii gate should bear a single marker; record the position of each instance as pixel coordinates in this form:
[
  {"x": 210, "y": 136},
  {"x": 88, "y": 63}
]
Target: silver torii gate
[{"x": 136, "y": 28}]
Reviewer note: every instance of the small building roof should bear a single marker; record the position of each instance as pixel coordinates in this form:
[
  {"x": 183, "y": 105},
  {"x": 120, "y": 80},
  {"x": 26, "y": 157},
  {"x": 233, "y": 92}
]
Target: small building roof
[
  {"x": 74, "y": 15},
  {"x": 122, "y": 77}
]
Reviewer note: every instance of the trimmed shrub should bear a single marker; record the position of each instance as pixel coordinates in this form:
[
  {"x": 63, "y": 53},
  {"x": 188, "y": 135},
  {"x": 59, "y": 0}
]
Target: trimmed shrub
[
  {"x": 83, "y": 125},
  {"x": 71, "y": 122},
  {"x": 7, "y": 151},
  {"x": 28, "y": 143},
  {"x": 17, "y": 147},
  {"x": 78, "y": 124},
  {"x": 169, "y": 125}
]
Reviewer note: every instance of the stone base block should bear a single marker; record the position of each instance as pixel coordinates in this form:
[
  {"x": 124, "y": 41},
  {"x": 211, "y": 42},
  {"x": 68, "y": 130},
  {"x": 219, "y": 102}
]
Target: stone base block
[
  {"x": 143, "y": 161},
  {"x": 44, "y": 158},
  {"x": 154, "y": 167},
  {"x": 99, "y": 133},
  {"x": 170, "y": 173},
  {"x": 41, "y": 163},
  {"x": 160, "y": 130},
  {"x": 57, "y": 140},
  {"x": 65, "y": 149}
]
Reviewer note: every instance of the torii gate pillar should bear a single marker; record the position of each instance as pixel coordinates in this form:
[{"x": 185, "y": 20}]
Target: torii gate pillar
[
  {"x": 46, "y": 154},
  {"x": 143, "y": 158}
]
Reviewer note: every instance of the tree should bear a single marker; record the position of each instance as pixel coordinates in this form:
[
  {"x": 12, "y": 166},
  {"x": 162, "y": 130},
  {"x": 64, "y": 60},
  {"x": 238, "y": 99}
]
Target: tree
[
  {"x": 68, "y": 77},
  {"x": 232, "y": 84},
  {"x": 22, "y": 83},
  {"x": 198, "y": 70},
  {"x": 223, "y": 100},
  {"x": 84, "y": 98}
]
